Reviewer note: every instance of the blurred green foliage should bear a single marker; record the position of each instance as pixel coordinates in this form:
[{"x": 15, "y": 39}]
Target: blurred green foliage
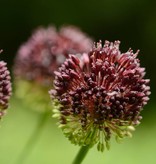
[{"x": 133, "y": 22}]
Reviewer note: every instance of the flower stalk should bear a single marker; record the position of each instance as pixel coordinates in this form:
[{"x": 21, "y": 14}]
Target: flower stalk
[
  {"x": 81, "y": 154},
  {"x": 33, "y": 139}
]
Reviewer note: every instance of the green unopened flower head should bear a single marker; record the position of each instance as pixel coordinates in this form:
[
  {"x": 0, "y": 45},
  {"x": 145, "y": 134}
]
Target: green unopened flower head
[{"x": 100, "y": 95}]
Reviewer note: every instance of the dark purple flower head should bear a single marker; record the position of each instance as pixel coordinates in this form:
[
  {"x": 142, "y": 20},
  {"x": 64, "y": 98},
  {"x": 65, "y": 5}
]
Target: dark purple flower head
[
  {"x": 46, "y": 49},
  {"x": 101, "y": 94},
  {"x": 5, "y": 88}
]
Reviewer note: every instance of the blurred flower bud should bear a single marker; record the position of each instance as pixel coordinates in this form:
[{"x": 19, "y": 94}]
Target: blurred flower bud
[{"x": 40, "y": 56}]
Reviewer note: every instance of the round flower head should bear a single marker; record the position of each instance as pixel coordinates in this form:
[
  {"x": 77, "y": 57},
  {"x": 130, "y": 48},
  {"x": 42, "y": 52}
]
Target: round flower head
[
  {"x": 100, "y": 95},
  {"x": 40, "y": 56},
  {"x": 5, "y": 88},
  {"x": 34, "y": 60},
  {"x": 46, "y": 50}
]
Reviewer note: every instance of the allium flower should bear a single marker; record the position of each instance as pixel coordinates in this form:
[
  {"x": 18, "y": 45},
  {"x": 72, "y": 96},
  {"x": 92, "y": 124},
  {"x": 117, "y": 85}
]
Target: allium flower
[
  {"x": 34, "y": 60},
  {"x": 41, "y": 55},
  {"x": 5, "y": 88},
  {"x": 100, "y": 95}
]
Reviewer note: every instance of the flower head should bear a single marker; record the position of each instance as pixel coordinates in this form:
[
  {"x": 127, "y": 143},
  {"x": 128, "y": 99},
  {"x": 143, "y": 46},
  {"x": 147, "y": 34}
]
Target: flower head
[
  {"x": 100, "y": 95},
  {"x": 5, "y": 88},
  {"x": 39, "y": 57},
  {"x": 34, "y": 58},
  {"x": 45, "y": 51}
]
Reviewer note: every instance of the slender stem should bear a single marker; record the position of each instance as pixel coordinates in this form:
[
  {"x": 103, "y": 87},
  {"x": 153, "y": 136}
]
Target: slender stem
[
  {"x": 81, "y": 154},
  {"x": 32, "y": 140}
]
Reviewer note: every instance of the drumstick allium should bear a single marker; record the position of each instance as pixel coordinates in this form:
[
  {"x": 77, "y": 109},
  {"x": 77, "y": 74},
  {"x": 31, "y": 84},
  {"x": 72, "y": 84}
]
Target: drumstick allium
[
  {"x": 46, "y": 50},
  {"x": 40, "y": 56},
  {"x": 100, "y": 95},
  {"x": 5, "y": 88}
]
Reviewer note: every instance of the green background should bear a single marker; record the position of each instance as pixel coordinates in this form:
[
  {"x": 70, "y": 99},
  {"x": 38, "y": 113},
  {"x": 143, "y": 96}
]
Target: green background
[{"x": 133, "y": 22}]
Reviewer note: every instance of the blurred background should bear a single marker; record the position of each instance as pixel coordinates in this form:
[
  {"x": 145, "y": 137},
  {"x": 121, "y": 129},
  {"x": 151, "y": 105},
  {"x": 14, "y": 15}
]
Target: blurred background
[{"x": 133, "y": 22}]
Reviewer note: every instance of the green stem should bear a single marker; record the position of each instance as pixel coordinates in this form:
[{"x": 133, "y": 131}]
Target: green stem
[
  {"x": 81, "y": 154},
  {"x": 32, "y": 140}
]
